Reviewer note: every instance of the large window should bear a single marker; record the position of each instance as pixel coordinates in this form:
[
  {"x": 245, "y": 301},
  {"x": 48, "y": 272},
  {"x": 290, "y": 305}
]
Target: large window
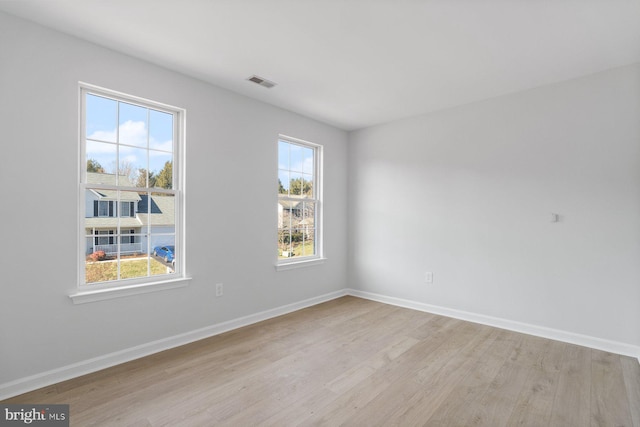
[
  {"x": 299, "y": 201},
  {"x": 130, "y": 190}
]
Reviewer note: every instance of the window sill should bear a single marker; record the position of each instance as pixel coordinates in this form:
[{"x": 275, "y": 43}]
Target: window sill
[
  {"x": 92, "y": 295},
  {"x": 299, "y": 264}
]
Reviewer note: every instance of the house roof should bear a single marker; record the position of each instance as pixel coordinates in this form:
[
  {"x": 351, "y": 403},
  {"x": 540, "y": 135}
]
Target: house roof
[
  {"x": 125, "y": 196},
  {"x": 108, "y": 178},
  {"x": 289, "y": 204},
  {"x": 162, "y": 210}
]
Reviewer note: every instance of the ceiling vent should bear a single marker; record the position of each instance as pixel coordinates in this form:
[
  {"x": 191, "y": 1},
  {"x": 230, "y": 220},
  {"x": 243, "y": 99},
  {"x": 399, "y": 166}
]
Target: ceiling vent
[{"x": 262, "y": 82}]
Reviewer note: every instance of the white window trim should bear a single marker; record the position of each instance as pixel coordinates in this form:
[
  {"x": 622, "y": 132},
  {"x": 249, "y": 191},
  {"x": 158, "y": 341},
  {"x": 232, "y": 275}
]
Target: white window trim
[
  {"x": 85, "y": 293},
  {"x": 318, "y": 258}
]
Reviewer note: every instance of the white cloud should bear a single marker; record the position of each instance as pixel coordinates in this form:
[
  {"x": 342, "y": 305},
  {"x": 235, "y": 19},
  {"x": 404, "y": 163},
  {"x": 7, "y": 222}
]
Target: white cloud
[{"x": 131, "y": 133}]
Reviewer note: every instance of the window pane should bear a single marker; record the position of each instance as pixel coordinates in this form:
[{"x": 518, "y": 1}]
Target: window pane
[
  {"x": 296, "y": 157},
  {"x": 133, "y": 165},
  {"x": 307, "y": 185},
  {"x": 295, "y": 184},
  {"x": 308, "y": 213},
  {"x": 100, "y": 270},
  {"x": 101, "y": 160},
  {"x": 283, "y": 155},
  {"x": 160, "y": 130},
  {"x": 296, "y": 242},
  {"x": 161, "y": 167},
  {"x": 285, "y": 248},
  {"x": 134, "y": 266},
  {"x": 133, "y": 128},
  {"x": 308, "y": 163},
  {"x": 283, "y": 182},
  {"x": 307, "y": 246},
  {"x": 162, "y": 229},
  {"x": 160, "y": 266},
  {"x": 101, "y": 118}
]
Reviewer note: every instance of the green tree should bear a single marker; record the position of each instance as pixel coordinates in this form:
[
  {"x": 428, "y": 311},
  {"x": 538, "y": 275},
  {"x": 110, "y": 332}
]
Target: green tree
[
  {"x": 298, "y": 186},
  {"x": 164, "y": 178},
  {"x": 94, "y": 166},
  {"x": 281, "y": 189}
]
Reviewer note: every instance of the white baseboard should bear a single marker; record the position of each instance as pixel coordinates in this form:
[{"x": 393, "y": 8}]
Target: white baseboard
[
  {"x": 34, "y": 382},
  {"x": 539, "y": 331},
  {"x": 24, "y": 385}
]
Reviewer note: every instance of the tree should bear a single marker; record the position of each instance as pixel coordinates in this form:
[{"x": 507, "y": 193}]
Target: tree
[
  {"x": 297, "y": 184},
  {"x": 129, "y": 170},
  {"x": 142, "y": 178},
  {"x": 94, "y": 166},
  {"x": 164, "y": 178},
  {"x": 281, "y": 189},
  {"x": 126, "y": 168}
]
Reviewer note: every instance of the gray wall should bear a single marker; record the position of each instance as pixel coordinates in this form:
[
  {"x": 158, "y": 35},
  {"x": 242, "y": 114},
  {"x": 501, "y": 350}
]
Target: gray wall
[
  {"x": 467, "y": 194},
  {"x": 231, "y": 219}
]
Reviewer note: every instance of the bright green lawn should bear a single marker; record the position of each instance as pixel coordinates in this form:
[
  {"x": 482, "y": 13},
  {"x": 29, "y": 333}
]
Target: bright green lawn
[{"x": 103, "y": 271}]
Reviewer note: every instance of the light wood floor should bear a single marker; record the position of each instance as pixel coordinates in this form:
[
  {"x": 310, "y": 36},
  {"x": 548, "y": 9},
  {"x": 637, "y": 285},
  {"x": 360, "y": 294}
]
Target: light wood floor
[{"x": 360, "y": 363}]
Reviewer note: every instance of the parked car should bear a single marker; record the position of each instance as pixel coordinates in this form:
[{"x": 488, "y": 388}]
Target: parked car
[{"x": 165, "y": 252}]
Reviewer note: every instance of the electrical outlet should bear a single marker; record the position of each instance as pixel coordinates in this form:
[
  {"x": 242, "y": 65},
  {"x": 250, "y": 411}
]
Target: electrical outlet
[
  {"x": 219, "y": 289},
  {"x": 428, "y": 277}
]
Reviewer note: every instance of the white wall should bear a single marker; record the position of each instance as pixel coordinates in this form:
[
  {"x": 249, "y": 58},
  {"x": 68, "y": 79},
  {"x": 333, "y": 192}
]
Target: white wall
[
  {"x": 467, "y": 194},
  {"x": 231, "y": 205},
  {"x": 464, "y": 193}
]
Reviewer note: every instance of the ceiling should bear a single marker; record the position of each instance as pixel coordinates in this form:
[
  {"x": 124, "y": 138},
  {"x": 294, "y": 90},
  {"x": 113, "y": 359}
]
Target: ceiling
[{"x": 357, "y": 63}]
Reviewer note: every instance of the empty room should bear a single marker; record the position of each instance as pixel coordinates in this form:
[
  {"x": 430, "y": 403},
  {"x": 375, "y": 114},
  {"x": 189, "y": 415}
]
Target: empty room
[{"x": 359, "y": 213}]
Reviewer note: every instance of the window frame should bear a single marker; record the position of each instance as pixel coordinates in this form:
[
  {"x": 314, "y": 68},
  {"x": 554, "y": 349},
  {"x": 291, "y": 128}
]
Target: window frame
[
  {"x": 317, "y": 199},
  {"x": 90, "y": 292}
]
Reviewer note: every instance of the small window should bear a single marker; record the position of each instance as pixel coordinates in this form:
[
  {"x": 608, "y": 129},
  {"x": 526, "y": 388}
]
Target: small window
[
  {"x": 126, "y": 209},
  {"x": 299, "y": 201},
  {"x": 131, "y": 189}
]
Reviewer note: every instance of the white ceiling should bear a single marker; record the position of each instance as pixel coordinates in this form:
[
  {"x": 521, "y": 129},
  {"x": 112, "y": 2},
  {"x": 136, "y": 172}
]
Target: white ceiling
[{"x": 356, "y": 63}]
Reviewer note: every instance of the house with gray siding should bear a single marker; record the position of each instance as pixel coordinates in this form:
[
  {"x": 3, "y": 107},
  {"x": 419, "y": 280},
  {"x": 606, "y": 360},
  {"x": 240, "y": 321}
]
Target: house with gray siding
[{"x": 146, "y": 219}]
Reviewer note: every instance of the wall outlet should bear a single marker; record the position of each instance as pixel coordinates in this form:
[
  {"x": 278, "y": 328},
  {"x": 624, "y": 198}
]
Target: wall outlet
[
  {"x": 219, "y": 289},
  {"x": 428, "y": 277}
]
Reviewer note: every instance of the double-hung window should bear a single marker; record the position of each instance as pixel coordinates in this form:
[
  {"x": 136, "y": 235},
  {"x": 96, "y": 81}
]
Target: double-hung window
[
  {"x": 131, "y": 193},
  {"x": 299, "y": 201}
]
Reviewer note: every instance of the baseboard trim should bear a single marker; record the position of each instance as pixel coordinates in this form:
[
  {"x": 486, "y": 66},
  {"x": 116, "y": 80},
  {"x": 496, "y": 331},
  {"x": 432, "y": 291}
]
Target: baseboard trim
[
  {"x": 539, "y": 331},
  {"x": 44, "y": 379}
]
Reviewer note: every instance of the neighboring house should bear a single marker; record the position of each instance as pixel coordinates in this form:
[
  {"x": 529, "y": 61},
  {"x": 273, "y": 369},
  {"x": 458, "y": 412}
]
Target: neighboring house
[
  {"x": 141, "y": 223},
  {"x": 292, "y": 211},
  {"x": 286, "y": 210}
]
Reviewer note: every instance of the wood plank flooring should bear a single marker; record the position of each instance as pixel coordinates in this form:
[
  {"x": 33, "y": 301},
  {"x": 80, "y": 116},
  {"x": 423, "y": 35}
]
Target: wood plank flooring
[{"x": 359, "y": 363}]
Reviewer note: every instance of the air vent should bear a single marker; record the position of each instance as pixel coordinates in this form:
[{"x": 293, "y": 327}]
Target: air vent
[{"x": 262, "y": 82}]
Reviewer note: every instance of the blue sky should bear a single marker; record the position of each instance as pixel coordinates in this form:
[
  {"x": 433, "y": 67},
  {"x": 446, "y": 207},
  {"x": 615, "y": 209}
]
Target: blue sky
[
  {"x": 294, "y": 161},
  {"x": 136, "y": 128}
]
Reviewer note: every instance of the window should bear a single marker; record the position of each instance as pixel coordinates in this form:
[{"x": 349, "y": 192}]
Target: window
[
  {"x": 104, "y": 208},
  {"x": 127, "y": 209},
  {"x": 130, "y": 189},
  {"x": 299, "y": 201},
  {"x": 128, "y": 239}
]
